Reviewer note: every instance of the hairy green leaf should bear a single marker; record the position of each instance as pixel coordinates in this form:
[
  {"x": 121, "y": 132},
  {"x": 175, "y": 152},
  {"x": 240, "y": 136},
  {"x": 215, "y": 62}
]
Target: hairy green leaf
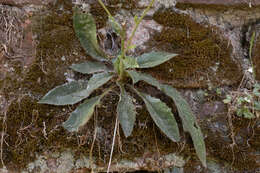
[
  {"x": 126, "y": 112},
  {"x": 189, "y": 122},
  {"x": 74, "y": 92},
  {"x": 96, "y": 81},
  {"x": 153, "y": 59},
  {"x": 85, "y": 29},
  {"x": 89, "y": 67},
  {"x": 82, "y": 114},
  {"x": 188, "y": 119},
  {"x": 69, "y": 93},
  {"x": 137, "y": 76},
  {"x": 130, "y": 62},
  {"x": 162, "y": 116}
]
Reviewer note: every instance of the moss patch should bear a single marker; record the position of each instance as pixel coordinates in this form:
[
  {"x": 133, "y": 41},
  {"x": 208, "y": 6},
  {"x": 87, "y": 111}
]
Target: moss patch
[
  {"x": 204, "y": 57},
  {"x": 239, "y": 156},
  {"x": 34, "y": 128},
  {"x": 217, "y": 7}
]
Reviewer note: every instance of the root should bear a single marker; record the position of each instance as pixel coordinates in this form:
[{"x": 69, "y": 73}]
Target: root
[
  {"x": 11, "y": 29},
  {"x": 232, "y": 136},
  {"x": 2, "y": 139}
]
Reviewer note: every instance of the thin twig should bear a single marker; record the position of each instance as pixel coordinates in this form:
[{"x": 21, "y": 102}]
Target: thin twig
[
  {"x": 113, "y": 143},
  {"x": 119, "y": 141},
  {"x": 94, "y": 139},
  {"x": 2, "y": 142},
  {"x": 91, "y": 149},
  {"x": 105, "y": 8}
]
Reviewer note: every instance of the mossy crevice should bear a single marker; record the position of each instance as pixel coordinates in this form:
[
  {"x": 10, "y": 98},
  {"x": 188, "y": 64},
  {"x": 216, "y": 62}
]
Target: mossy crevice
[{"x": 204, "y": 56}]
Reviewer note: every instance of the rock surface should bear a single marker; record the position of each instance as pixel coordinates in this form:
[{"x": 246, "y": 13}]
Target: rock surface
[
  {"x": 21, "y": 3},
  {"x": 212, "y": 38},
  {"x": 224, "y": 2}
]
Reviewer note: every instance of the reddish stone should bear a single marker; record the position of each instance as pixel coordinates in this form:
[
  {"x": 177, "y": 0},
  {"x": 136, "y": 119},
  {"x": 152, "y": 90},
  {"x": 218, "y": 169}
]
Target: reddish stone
[
  {"x": 24, "y": 2},
  {"x": 223, "y": 2}
]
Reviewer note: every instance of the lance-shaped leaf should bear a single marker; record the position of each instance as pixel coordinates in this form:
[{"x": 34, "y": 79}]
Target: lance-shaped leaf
[
  {"x": 162, "y": 116},
  {"x": 153, "y": 59},
  {"x": 89, "y": 67},
  {"x": 82, "y": 114},
  {"x": 65, "y": 94},
  {"x": 189, "y": 122},
  {"x": 126, "y": 112},
  {"x": 96, "y": 81},
  {"x": 137, "y": 76},
  {"x": 188, "y": 119},
  {"x": 74, "y": 92},
  {"x": 130, "y": 62},
  {"x": 85, "y": 29}
]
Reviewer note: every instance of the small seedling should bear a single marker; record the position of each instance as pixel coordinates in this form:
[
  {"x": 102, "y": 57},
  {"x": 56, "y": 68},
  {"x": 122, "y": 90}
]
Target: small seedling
[
  {"x": 245, "y": 104},
  {"x": 123, "y": 69}
]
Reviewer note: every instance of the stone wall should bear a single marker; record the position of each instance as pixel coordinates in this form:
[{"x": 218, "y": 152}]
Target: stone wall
[
  {"x": 218, "y": 42},
  {"x": 224, "y": 2}
]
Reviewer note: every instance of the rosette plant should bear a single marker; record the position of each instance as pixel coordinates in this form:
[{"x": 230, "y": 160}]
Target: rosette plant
[{"x": 124, "y": 67}]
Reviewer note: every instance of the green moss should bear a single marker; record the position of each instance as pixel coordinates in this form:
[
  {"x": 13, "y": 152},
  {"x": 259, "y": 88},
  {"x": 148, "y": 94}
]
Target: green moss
[
  {"x": 200, "y": 50},
  {"x": 217, "y": 7},
  {"x": 27, "y": 120},
  {"x": 25, "y": 117},
  {"x": 238, "y": 156},
  {"x": 23, "y": 127}
]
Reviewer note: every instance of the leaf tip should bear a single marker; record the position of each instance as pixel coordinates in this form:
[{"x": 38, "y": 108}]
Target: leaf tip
[
  {"x": 204, "y": 163},
  {"x": 127, "y": 134}
]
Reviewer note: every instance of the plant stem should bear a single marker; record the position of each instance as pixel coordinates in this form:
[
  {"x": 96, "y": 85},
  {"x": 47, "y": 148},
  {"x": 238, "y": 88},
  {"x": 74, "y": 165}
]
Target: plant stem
[
  {"x": 123, "y": 49},
  {"x": 121, "y": 68},
  {"x": 122, "y": 35},
  {"x": 108, "y": 13},
  {"x": 137, "y": 24}
]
